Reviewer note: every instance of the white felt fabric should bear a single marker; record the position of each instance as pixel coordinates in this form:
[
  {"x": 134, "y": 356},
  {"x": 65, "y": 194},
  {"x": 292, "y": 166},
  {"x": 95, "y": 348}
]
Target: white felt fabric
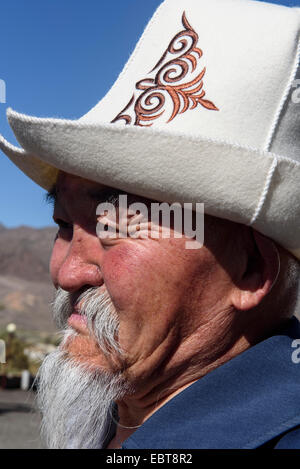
[
  {"x": 229, "y": 179},
  {"x": 237, "y": 160},
  {"x": 249, "y": 51}
]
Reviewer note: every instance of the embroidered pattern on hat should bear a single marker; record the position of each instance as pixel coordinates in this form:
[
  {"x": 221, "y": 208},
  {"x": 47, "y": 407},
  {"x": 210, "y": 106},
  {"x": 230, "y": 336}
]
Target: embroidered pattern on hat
[{"x": 175, "y": 79}]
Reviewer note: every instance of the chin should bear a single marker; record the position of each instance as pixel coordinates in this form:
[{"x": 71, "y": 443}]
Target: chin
[{"x": 84, "y": 350}]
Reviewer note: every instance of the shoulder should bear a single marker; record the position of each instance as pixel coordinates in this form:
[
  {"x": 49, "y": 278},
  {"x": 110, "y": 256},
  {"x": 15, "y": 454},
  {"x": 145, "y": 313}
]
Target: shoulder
[
  {"x": 291, "y": 440},
  {"x": 288, "y": 440}
]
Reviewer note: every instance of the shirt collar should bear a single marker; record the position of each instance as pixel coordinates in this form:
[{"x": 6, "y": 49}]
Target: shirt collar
[{"x": 242, "y": 404}]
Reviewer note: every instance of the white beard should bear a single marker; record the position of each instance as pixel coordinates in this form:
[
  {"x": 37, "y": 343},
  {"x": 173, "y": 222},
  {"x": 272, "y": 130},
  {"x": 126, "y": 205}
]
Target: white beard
[{"x": 75, "y": 399}]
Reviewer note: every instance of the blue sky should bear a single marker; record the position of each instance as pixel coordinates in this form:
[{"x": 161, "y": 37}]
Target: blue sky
[{"x": 58, "y": 58}]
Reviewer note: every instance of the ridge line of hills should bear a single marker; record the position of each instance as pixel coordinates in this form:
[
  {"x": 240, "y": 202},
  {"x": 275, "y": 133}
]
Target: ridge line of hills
[{"x": 26, "y": 291}]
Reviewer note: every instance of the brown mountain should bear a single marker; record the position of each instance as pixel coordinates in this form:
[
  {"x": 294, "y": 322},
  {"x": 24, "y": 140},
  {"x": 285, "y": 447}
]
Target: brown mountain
[
  {"x": 26, "y": 291},
  {"x": 25, "y": 252}
]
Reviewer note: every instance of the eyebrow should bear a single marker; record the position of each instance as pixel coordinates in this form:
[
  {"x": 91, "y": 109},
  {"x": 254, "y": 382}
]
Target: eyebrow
[
  {"x": 105, "y": 195},
  {"x": 99, "y": 195}
]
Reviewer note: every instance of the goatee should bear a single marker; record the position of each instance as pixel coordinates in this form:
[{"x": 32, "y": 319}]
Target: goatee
[{"x": 76, "y": 399}]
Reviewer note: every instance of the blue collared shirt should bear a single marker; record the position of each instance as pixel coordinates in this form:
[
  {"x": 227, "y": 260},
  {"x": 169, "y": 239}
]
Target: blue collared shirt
[{"x": 251, "y": 401}]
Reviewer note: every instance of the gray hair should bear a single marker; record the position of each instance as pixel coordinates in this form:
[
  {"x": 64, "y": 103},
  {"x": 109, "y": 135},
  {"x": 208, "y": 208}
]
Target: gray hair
[
  {"x": 76, "y": 399},
  {"x": 292, "y": 284},
  {"x": 287, "y": 287}
]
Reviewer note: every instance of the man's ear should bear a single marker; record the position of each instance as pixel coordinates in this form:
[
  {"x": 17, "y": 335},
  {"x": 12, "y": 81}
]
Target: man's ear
[{"x": 260, "y": 274}]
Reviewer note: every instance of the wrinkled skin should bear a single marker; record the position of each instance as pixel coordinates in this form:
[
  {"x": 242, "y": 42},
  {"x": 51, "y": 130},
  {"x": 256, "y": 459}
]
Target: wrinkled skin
[{"x": 177, "y": 308}]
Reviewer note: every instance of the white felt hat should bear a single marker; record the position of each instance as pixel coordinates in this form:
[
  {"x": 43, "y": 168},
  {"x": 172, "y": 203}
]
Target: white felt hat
[{"x": 205, "y": 110}]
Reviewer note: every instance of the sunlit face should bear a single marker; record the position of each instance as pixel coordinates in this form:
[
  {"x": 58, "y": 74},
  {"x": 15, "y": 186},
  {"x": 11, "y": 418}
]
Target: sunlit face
[{"x": 155, "y": 285}]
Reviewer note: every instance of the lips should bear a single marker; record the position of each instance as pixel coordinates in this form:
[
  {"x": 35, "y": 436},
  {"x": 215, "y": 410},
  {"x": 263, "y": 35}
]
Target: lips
[{"x": 79, "y": 323}]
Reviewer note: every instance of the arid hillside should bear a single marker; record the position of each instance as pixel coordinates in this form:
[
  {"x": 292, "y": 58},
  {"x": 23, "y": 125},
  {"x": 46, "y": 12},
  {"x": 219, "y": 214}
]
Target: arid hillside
[{"x": 26, "y": 291}]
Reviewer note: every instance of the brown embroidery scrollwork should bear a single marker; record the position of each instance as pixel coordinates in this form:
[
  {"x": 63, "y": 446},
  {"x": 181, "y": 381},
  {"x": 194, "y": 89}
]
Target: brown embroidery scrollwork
[{"x": 170, "y": 81}]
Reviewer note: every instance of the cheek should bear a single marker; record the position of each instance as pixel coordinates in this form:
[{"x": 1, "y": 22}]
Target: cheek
[
  {"x": 133, "y": 274},
  {"x": 122, "y": 271}
]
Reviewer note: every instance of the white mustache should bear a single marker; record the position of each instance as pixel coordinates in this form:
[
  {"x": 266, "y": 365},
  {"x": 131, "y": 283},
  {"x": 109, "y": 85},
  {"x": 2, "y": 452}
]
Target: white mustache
[
  {"x": 76, "y": 399},
  {"x": 102, "y": 318}
]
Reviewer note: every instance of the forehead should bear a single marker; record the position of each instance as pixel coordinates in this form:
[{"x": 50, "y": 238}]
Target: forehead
[
  {"x": 68, "y": 187},
  {"x": 77, "y": 198},
  {"x": 71, "y": 190}
]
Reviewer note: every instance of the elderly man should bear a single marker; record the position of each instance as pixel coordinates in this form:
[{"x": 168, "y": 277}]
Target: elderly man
[{"x": 167, "y": 343}]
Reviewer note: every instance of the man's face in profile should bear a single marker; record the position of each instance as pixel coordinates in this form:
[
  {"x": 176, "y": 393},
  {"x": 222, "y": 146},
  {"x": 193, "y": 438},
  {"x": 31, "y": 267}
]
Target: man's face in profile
[
  {"x": 125, "y": 306},
  {"x": 145, "y": 281}
]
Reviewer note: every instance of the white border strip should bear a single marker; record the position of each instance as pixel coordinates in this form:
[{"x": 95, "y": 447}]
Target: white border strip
[{"x": 283, "y": 100}]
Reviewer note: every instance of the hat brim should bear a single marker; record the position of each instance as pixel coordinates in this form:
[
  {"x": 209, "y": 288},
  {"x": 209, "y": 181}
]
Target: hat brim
[{"x": 241, "y": 184}]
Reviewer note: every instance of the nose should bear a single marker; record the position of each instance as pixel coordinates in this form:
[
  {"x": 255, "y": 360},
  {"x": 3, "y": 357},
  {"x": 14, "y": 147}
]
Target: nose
[{"x": 80, "y": 267}]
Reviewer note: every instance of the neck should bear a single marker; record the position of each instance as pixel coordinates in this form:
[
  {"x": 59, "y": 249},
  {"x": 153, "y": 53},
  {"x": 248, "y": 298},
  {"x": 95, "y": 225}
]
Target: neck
[{"x": 211, "y": 345}]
